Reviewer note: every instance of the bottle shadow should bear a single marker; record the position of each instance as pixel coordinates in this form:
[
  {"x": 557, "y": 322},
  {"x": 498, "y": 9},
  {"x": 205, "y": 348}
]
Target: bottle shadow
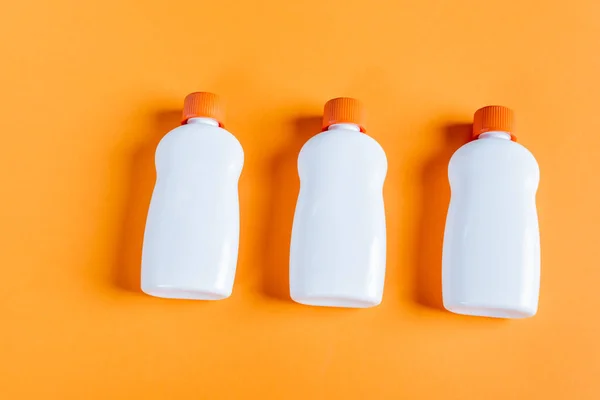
[
  {"x": 434, "y": 200},
  {"x": 285, "y": 186},
  {"x": 142, "y": 173}
]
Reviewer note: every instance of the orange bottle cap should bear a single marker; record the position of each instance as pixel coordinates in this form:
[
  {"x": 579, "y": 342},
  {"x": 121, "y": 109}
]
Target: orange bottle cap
[
  {"x": 343, "y": 110},
  {"x": 494, "y": 118},
  {"x": 203, "y": 104}
]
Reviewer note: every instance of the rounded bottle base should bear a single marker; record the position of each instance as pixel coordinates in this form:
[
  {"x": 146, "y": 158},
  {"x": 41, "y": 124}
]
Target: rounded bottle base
[
  {"x": 172, "y": 292},
  {"x": 483, "y": 310},
  {"x": 336, "y": 301}
]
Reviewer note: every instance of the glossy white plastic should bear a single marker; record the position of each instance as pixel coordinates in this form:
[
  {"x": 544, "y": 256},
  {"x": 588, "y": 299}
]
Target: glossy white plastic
[
  {"x": 491, "y": 255},
  {"x": 192, "y": 231},
  {"x": 338, "y": 247}
]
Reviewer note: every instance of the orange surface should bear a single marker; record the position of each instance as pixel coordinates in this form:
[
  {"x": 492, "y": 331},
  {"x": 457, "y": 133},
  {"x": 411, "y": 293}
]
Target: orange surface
[{"x": 88, "y": 88}]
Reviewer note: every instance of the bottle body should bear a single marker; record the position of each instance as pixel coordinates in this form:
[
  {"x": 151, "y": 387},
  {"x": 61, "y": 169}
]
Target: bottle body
[
  {"x": 192, "y": 231},
  {"x": 338, "y": 246},
  {"x": 491, "y": 254}
]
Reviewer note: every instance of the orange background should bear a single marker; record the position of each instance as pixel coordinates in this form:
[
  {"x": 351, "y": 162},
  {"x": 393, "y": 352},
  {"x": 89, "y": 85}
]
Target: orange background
[{"x": 89, "y": 88}]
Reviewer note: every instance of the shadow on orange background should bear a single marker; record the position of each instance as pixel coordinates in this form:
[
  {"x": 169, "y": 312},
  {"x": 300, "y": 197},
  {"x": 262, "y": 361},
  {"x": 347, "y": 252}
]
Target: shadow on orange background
[
  {"x": 434, "y": 199},
  {"x": 284, "y": 184},
  {"x": 142, "y": 176}
]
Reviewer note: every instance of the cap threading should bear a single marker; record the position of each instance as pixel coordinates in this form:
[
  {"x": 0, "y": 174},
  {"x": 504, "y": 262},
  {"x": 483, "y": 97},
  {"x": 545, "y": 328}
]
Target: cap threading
[
  {"x": 494, "y": 118},
  {"x": 203, "y": 104},
  {"x": 344, "y": 110}
]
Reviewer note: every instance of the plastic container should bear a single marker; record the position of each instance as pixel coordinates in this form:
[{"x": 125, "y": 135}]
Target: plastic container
[
  {"x": 192, "y": 231},
  {"x": 338, "y": 243},
  {"x": 491, "y": 256}
]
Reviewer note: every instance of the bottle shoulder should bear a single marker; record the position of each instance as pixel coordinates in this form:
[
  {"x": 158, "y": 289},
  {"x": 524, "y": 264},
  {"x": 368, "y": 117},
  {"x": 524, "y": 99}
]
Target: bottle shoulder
[
  {"x": 344, "y": 145},
  {"x": 342, "y": 137},
  {"x": 196, "y": 137},
  {"x": 192, "y": 149},
  {"x": 494, "y": 153},
  {"x": 496, "y": 166}
]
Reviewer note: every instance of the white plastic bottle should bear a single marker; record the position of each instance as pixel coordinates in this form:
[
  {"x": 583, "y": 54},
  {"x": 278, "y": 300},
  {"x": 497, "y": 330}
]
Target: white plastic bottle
[
  {"x": 192, "y": 231},
  {"x": 491, "y": 256},
  {"x": 338, "y": 246}
]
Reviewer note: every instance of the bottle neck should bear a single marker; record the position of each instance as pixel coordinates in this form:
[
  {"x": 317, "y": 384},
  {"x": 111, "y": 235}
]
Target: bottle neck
[
  {"x": 203, "y": 120},
  {"x": 348, "y": 127},
  {"x": 495, "y": 134}
]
